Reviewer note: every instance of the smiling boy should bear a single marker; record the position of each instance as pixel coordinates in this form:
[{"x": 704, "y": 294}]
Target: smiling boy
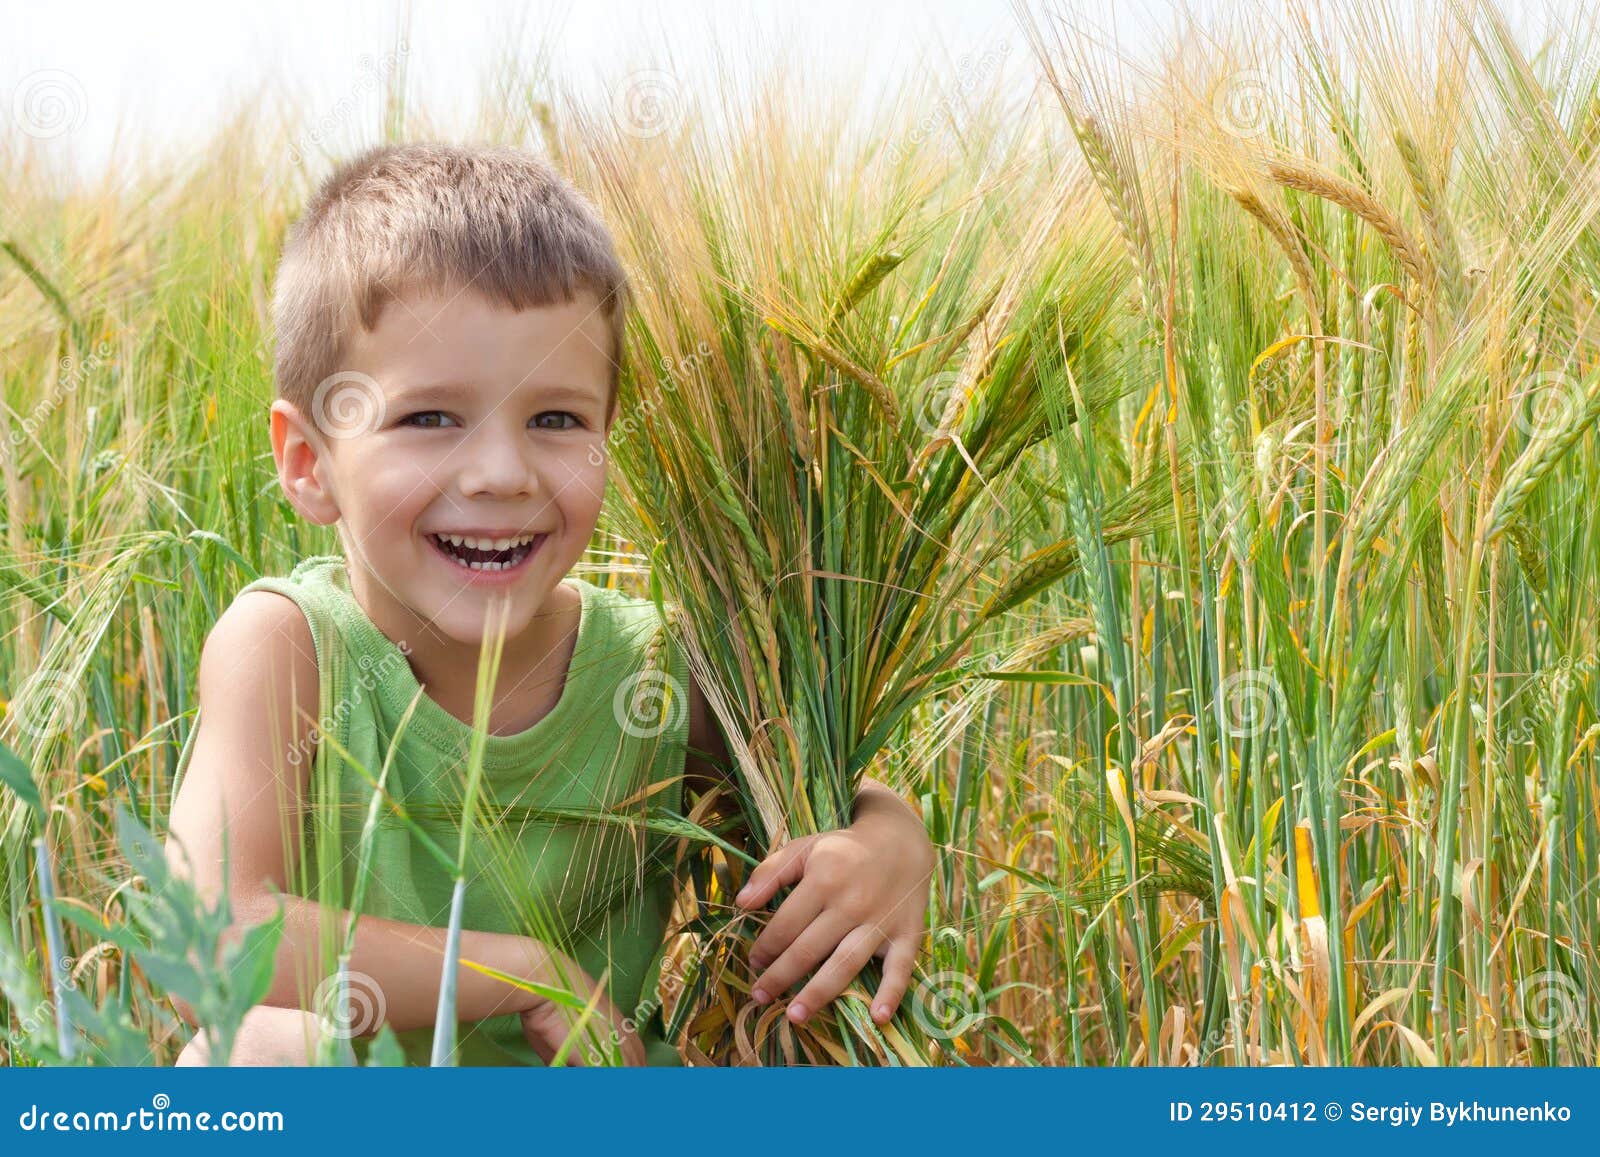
[{"x": 449, "y": 335}]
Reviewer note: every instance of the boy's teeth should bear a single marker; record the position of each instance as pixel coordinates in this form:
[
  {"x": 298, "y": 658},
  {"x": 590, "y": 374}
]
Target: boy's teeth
[
  {"x": 519, "y": 549},
  {"x": 487, "y": 543}
]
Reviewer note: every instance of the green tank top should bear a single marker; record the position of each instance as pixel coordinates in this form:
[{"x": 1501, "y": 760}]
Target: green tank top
[{"x": 606, "y": 888}]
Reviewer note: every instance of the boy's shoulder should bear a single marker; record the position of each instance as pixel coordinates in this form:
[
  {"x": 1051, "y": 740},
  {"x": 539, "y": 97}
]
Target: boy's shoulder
[
  {"x": 258, "y": 683},
  {"x": 616, "y": 594},
  {"x": 281, "y": 606},
  {"x": 622, "y": 609},
  {"x": 261, "y": 639},
  {"x": 313, "y": 600}
]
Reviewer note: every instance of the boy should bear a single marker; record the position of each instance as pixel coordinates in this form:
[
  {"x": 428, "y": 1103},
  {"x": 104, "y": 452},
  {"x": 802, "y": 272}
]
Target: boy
[{"x": 449, "y": 330}]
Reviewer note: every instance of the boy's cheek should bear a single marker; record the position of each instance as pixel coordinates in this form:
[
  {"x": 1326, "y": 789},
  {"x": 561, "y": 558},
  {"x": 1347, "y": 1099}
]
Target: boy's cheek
[
  {"x": 580, "y": 484},
  {"x": 392, "y": 491}
]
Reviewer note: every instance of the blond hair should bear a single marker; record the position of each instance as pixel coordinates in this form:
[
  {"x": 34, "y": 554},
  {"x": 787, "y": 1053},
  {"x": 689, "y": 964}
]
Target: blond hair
[{"x": 498, "y": 220}]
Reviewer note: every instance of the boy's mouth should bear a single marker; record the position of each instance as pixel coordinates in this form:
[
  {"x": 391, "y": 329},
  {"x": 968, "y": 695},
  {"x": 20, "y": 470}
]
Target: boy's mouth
[{"x": 486, "y": 555}]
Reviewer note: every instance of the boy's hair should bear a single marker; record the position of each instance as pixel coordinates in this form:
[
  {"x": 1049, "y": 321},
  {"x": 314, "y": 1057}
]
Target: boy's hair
[{"x": 445, "y": 217}]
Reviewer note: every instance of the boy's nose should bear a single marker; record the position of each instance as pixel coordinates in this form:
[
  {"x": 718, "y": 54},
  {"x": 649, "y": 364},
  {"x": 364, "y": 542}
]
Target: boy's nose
[{"x": 494, "y": 464}]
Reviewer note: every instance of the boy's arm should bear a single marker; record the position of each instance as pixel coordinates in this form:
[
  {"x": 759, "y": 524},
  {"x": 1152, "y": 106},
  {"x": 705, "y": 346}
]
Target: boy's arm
[
  {"x": 258, "y": 692},
  {"x": 861, "y": 892}
]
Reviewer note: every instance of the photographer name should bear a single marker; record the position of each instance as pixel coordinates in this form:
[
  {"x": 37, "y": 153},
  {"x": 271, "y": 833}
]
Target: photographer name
[
  {"x": 1405, "y": 1113},
  {"x": 1454, "y": 1113}
]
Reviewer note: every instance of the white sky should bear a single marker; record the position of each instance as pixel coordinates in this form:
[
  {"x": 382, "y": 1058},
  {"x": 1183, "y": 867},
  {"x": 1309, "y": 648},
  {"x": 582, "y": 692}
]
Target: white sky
[
  {"x": 160, "y": 73},
  {"x": 156, "y": 76}
]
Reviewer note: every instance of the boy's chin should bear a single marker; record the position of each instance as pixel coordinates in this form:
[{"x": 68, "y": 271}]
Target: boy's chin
[{"x": 471, "y": 624}]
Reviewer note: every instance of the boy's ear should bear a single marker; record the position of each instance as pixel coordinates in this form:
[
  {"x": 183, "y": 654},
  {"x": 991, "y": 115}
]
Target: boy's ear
[{"x": 302, "y": 465}]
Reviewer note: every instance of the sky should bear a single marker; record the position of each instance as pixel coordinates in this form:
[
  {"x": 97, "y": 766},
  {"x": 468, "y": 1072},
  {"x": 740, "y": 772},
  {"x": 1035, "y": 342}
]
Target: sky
[
  {"x": 99, "y": 84},
  {"x": 82, "y": 78}
]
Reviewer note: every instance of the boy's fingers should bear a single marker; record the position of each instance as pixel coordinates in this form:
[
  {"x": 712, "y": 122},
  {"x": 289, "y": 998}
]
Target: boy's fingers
[
  {"x": 575, "y": 1057},
  {"x": 813, "y": 946},
  {"x": 897, "y": 964},
  {"x": 797, "y": 913},
  {"x": 543, "y": 1031},
  {"x": 784, "y": 866},
  {"x": 831, "y": 979}
]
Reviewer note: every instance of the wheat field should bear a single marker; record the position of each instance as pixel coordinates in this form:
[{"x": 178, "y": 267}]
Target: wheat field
[{"x": 1178, "y": 478}]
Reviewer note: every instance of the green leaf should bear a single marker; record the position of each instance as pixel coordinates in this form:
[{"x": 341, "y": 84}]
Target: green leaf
[
  {"x": 251, "y": 961},
  {"x": 143, "y": 851},
  {"x": 226, "y": 548},
  {"x": 385, "y": 1051},
  {"x": 174, "y": 976},
  {"x": 120, "y": 935},
  {"x": 15, "y": 775}
]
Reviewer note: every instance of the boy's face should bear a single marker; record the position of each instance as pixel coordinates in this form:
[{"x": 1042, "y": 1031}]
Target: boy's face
[{"x": 461, "y": 448}]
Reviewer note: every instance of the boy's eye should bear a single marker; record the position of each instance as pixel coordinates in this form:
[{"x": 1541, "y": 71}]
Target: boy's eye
[
  {"x": 561, "y": 417},
  {"x": 427, "y": 419}
]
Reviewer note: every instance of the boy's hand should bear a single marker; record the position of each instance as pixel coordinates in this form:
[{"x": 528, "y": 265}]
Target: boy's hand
[
  {"x": 862, "y": 893},
  {"x": 547, "y": 1024}
]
